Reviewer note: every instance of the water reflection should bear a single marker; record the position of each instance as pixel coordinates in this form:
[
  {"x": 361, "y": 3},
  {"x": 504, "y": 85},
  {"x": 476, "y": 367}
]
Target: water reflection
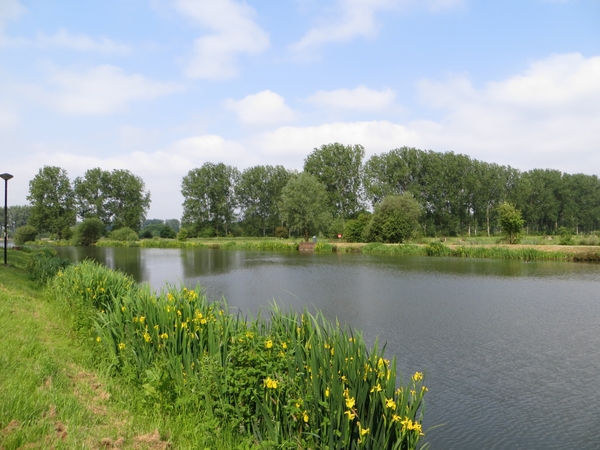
[{"x": 511, "y": 349}]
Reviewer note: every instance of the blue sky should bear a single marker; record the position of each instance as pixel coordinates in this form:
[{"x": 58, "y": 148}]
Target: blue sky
[{"x": 161, "y": 86}]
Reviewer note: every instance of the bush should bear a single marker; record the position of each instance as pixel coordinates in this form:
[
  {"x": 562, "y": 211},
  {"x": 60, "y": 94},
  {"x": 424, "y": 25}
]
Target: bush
[
  {"x": 566, "y": 236},
  {"x": 167, "y": 232},
  {"x": 146, "y": 234},
  {"x": 44, "y": 265},
  {"x": 124, "y": 234},
  {"x": 281, "y": 232},
  {"x": 89, "y": 231},
  {"x": 354, "y": 228},
  {"x": 395, "y": 219},
  {"x": 23, "y": 234},
  {"x": 182, "y": 235}
]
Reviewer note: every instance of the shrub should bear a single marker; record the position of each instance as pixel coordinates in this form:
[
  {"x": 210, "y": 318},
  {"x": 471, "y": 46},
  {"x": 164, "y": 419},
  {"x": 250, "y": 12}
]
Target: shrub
[
  {"x": 395, "y": 219},
  {"x": 566, "y": 236},
  {"x": 146, "y": 234},
  {"x": 124, "y": 234},
  {"x": 511, "y": 222},
  {"x": 23, "y": 234},
  {"x": 89, "y": 231},
  {"x": 182, "y": 235},
  {"x": 281, "y": 232},
  {"x": 44, "y": 265},
  {"x": 354, "y": 228},
  {"x": 167, "y": 232}
]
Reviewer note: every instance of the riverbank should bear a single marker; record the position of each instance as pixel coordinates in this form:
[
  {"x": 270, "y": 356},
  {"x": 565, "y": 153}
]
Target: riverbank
[
  {"x": 56, "y": 394},
  {"x": 96, "y": 361}
]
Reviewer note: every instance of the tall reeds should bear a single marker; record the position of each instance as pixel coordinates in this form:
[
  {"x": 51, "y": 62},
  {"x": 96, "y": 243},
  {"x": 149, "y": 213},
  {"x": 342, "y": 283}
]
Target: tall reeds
[{"x": 294, "y": 380}]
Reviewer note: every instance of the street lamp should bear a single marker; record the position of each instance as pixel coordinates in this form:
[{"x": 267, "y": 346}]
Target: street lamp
[{"x": 5, "y": 177}]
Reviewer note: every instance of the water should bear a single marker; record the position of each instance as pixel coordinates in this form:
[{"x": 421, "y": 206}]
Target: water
[{"x": 511, "y": 350}]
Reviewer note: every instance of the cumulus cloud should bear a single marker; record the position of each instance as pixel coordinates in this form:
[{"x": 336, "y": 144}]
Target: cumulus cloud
[
  {"x": 100, "y": 90},
  {"x": 234, "y": 33},
  {"x": 263, "y": 108},
  {"x": 63, "y": 39},
  {"x": 358, "y": 18},
  {"x": 358, "y": 99},
  {"x": 545, "y": 116}
]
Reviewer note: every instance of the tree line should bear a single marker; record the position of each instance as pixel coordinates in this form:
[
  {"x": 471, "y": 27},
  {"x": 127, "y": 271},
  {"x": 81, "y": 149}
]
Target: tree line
[
  {"x": 336, "y": 193},
  {"x": 405, "y": 190}
]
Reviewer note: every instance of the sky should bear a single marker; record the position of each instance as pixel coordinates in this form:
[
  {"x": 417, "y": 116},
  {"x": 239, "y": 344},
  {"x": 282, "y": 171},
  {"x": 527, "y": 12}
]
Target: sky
[{"x": 159, "y": 87}]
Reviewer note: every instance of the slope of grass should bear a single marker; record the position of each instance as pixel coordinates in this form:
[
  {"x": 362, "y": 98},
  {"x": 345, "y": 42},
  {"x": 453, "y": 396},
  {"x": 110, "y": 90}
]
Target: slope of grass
[{"x": 52, "y": 394}]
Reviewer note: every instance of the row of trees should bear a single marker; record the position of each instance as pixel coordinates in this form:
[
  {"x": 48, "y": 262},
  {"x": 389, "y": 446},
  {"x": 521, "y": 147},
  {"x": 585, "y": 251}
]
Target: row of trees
[
  {"x": 456, "y": 194},
  {"x": 117, "y": 199}
]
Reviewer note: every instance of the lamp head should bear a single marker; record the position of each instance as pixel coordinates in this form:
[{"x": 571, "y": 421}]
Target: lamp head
[{"x": 6, "y": 176}]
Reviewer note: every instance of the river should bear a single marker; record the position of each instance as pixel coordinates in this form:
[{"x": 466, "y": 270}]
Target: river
[{"x": 510, "y": 350}]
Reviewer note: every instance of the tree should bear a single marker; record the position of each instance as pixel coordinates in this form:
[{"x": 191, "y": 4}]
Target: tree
[
  {"x": 25, "y": 233},
  {"x": 52, "y": 201},
  {"x": 511, "y": 222},
  {"x": 395, "y": 219},
  {"x": 89, "y": 231},
  {"x": 118, "y": 198},
  {"x": 339, "y": 168},
  {"x": 259, "y": 192},
  {"x": 209, "y": 197},
  {"x": 304, "y": 205},
  {"x": 18, "y": 216}
]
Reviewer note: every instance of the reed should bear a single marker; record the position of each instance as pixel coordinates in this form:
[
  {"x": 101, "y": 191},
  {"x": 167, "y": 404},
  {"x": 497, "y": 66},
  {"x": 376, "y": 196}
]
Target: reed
[{"x": 294, "y": 380}]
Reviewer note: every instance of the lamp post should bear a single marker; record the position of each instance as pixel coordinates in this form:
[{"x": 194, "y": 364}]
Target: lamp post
[{"x": 5, "y": 177}]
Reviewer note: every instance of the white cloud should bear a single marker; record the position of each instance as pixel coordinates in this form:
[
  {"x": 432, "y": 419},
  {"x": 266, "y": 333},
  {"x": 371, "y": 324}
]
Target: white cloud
[
  {"x": 63, "y": 39},
  {"x": 234, "y": 33},
  {"x": 10, "y": 10},
  {"x": 358, "y": 99},
  {"x": 547, "y": 116},
  {"x": 357, "y": 18},
  {"x": 263, "y": 108},
  {"x": 100, "y": 90}
]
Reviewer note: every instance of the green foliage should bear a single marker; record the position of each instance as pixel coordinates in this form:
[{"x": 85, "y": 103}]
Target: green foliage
[
  {"x": 281, "y": 232},
  {"x": 25, "y": 233},
  {"x": 89, "y": 231},
  {"x": 304, "y": 205},
  {"x": 209, "y": 197},
  {"x": 117, "y": 198},
  {"x": 146, "y": 234},
  {"x": 395, "y": 219},
  {"x": 182, "y": 235},
  {"x": 293, "y": 380},
  {"x": 124, "y": 234},
  {"x": 259, "y": 193},
  {"x": 18, "y": 216},
  {"x": 354, "y": 228},
  {"x": 336, "y": 227},
  {"x": 511, "y": 222},
  {"x": 566, "y": 236},
  {"x": 168, "y": 233},
  {"x": 339, "y": 168},
  {"x": 52, "y": 201},
  {"x": 44, "y": 265},
  {"x": 438, "y": 249}
]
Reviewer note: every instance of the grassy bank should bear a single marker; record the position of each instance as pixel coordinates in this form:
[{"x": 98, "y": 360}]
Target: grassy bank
[
  {"x": 55, "y": 391},
  {"x": 178, "y": 370}
]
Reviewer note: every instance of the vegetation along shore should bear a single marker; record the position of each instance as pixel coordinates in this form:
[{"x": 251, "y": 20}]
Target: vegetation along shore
[{"x": 94, "y": 360}]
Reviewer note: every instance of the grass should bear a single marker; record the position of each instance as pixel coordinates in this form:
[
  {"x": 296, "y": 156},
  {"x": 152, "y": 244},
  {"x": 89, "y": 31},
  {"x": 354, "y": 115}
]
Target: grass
[
  {"x": 96, "y": 361},
  {"x": 53, "y": 394},
  {"x": 289, "y": 381}
]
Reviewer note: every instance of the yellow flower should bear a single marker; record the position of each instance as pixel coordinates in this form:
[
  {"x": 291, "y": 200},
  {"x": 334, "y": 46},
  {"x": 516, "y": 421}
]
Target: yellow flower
[
  {"x": 305, "y": 417},
  {"x": 284, "y": 345},
  {"x": 156, "y": 327},
  {"x": 350, "y": 414},
  {"x": 98, "y": 339},
  {"x": 396, "y": 418},
  {"x": 362, "y": 431},
  {"x": 123, "y": 308},
  {"x": 147, "y": 337},
  {"x": 203, "y": 321},
  {"x": 269, "y": 383},
  {"x": 350, "y": 402},
  {"x": 269, "y": 343},
  {"x": 121, "y": 346},
  {"x": 376, "y": 388},
  {"x": 417, "y": 376},
  {"x": 142, "y": 318},
  {"x": 164, "y": 336},
  {"x": 390, "y": 403},
  {"x": 327, "y": 392}
]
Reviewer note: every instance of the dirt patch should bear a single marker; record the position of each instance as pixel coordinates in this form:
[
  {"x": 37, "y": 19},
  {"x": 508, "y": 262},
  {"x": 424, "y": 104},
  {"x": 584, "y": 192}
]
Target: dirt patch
[
  {"x": 12, "y": 426},
  {"x": 90, "y": 392},
  {"x": 108, "y": 443},
  {"x": 61, "y": 431},
  {"x": 150, "y": 441}
]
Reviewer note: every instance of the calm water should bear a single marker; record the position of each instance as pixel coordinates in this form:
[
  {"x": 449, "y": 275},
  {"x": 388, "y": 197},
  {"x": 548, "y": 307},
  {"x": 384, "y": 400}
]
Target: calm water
[{"x": 511, "y": 350}]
